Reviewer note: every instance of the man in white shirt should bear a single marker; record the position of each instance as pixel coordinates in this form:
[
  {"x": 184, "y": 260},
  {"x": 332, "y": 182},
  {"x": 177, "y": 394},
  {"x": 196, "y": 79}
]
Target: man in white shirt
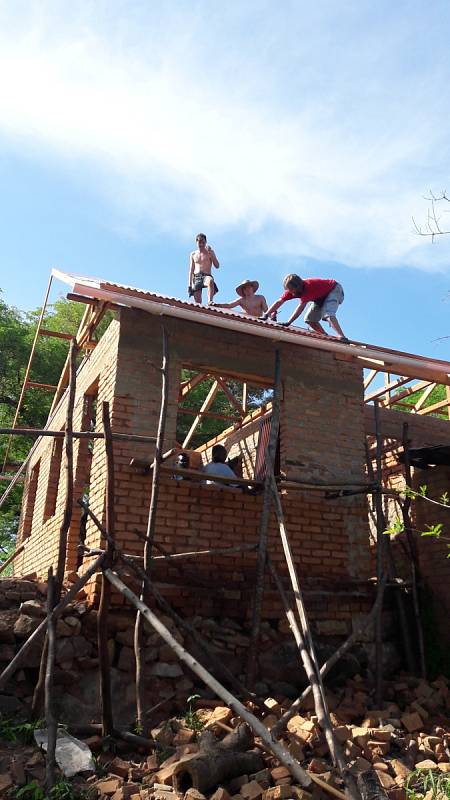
[{"x": 218, "y": 467}]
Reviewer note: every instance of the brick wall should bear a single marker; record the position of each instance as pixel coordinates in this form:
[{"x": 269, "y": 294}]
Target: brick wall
[
  {"x": 322, "y": 437},
  {"x": 42, "y": 534}
]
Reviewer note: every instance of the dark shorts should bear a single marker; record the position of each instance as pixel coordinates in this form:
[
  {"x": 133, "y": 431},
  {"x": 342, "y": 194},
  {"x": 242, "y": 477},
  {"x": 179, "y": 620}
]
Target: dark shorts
[{"x": 199, "y": 282}]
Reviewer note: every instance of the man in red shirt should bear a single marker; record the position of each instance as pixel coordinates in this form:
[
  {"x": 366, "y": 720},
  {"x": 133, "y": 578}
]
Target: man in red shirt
[{"x": 325, "y": 295}]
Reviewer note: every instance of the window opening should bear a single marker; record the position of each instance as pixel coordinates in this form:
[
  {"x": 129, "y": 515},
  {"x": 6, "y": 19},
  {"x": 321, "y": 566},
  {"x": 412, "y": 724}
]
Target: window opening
[
  {"x": 85, "y": 455},
  {"x": 30, "y": 501},
  {"x": 53, "y": 478}
]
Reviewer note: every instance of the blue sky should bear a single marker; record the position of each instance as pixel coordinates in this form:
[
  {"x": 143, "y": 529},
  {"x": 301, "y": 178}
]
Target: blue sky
[{"x": 300, "y": 137}]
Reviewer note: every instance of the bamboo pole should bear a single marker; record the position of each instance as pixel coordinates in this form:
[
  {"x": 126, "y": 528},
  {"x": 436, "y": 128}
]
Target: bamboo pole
[
  {"x": 50, "y": 718},
  {"x": 263, "y": 526},
  {"x": 105, "y": 592},
  {"x": 57, "y": 611},
  {"x": 278, "y": 750},
  {"x": 151, "y": 524}
]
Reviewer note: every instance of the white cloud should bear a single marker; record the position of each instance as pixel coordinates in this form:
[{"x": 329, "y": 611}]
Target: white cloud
[{"x": 324, "y": 154}]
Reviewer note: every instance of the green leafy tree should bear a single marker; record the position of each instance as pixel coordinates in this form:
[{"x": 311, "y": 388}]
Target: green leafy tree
[{"x": 17, "y": 332}]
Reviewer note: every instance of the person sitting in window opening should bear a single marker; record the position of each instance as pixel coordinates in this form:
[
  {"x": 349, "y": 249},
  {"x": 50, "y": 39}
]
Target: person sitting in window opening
[
  {"x": 326, "y": 295},
  {"x": 182, "y": 462},
  {"x": 218, "y": 467},
  {"x": 201, "y": 262},
  {"x": 252, "y": 304}
]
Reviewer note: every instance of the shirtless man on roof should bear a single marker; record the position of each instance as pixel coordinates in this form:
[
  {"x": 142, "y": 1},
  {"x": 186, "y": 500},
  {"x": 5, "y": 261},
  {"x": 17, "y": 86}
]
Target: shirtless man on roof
[
  {"x": 252, "y": 304},
  {"x": 200, "y": 264}
]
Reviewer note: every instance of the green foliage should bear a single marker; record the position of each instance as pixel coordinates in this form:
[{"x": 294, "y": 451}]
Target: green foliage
[
  {"x": 191, "y": 717},
  {"x": 420, "y": 782},
  {"x": 208, "y": 426},
  {"x": 18, "y": 732},
  {"x": 31, "y": 791},
  {"x": 409, "y": 402},
  {"x": 17, "y": 331},
  {"x": 62, "y": 790}
]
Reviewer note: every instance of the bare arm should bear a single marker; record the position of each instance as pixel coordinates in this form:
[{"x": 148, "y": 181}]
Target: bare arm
[
  {"x": 191, "y": 269},
  {"x": 263, "y": 304},
  {"x": 213, "y": 256},
  {"x": 274, "y": 307},
  {"x": 233, "y": 304},
  {"x": 300, "y": 308}
]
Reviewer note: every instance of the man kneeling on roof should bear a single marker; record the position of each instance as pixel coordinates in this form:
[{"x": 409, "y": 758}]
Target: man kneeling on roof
[
  {"x": 218, "y": 467},
  {"x": 251, "y": 303}
]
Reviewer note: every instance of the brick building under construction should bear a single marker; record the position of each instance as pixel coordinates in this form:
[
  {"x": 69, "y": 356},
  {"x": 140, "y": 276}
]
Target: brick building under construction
[{"x": 326, "y": 426}]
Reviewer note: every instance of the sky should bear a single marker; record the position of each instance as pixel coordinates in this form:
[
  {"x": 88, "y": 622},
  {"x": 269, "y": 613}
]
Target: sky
[{"x": 300, "y": 137}]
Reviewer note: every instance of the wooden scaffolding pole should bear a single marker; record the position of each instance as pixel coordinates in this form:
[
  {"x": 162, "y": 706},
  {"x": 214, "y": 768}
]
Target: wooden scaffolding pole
[
  {"x": 303, "y": 639},
  {"x": 263, "y": 526},
  {"x": 39, "y": 690},
  {"x": 105, "y": 593},
  {"x": 151, "y": 524},
  {"x": 278, "y": 750},
  {"x": 50, "y": 717}
]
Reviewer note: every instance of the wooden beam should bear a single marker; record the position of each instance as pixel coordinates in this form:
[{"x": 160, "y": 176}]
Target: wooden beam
[
  {"x": 416, "y": 387},
  {"x": 370, "y": 378},
  {"x": 55, "y": 334},
  {"x": 425, "y": 396},
  {"x": 208, "y": 401},
  {"x": 386, "y": 389},
  {"x": 211, "y": 414},
  {"x": 230, "y": 396},
  {"x": 191, "y": 383},
  {"x": 434, "y": 407},
  {"x": 34, "y": 385}
]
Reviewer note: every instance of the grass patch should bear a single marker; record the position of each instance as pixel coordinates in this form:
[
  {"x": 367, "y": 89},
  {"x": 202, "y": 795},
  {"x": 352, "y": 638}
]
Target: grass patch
[{"x": 428, "y": 782}]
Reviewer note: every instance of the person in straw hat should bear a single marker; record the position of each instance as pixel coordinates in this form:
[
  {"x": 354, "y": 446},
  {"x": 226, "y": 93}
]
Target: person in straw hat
[{"x": 251, "y": 303}]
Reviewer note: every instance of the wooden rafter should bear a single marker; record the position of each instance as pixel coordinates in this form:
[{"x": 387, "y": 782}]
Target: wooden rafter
[
  {"x": 208, "y": 401},
  {"x": 434, "y": 407},
  {"x": 230, "y": 396},
  {"x": 386, "y": 390},
  {"x": 370, "y": 377},
  {"x": 425, "y": 395},
  {"x": 191, "y": 383}
]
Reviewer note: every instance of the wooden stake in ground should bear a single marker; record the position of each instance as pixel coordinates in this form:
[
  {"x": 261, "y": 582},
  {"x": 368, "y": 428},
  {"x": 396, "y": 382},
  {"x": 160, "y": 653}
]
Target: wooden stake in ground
[
  {"x": 258, "y": 728},
  {"x": 263, "y": 526},
  {"x": 50, "y": 718},
  {"x": 105, "y": 594},
  {"x": 138, "y": 643},
  {"x": 305, "y": 646}
]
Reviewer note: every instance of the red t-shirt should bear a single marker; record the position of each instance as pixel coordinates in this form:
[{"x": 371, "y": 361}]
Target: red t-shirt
[{"x": 313, "y": 289}]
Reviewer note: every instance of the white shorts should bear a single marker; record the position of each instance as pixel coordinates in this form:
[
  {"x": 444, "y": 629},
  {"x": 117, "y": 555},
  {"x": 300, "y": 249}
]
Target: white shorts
[{"x": 327, "y": 307}]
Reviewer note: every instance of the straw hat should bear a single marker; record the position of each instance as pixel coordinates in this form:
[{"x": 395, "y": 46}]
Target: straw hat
[{"x": 240, "y": 288}]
